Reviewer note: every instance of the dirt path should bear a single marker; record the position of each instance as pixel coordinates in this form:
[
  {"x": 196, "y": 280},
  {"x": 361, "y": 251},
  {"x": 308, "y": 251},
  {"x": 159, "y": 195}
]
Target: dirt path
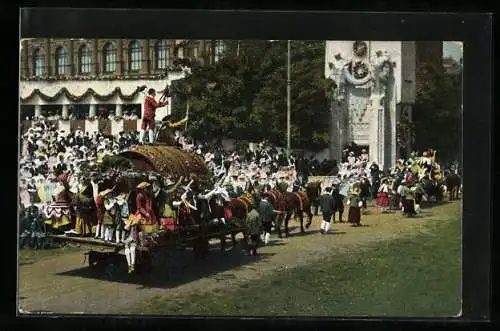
[{"x": 63, "y": 284}]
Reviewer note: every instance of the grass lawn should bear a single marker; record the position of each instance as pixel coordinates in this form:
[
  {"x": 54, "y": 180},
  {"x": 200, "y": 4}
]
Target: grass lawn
[
  {"x": 27, "y": 256},
  {"x": 418, "y": 276}
]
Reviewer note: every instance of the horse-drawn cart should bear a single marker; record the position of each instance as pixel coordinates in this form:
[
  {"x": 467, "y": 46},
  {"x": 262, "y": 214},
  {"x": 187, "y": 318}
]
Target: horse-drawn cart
[
  {"x": 167, "y": 162},
  {"x": 103, "y": 255}
]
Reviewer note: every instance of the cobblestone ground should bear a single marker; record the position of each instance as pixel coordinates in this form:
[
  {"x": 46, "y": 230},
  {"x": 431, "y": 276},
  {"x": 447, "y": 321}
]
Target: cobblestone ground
[{"x": 63, "y": 284}]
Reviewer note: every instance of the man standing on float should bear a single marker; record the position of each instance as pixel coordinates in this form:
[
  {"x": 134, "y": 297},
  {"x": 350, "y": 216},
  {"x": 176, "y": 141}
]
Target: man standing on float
[{"x": 148, "y": 118}]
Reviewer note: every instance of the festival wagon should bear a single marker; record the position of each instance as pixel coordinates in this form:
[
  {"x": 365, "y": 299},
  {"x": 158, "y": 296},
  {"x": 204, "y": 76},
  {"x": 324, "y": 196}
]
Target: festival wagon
[{"x": 172, "y": 162}]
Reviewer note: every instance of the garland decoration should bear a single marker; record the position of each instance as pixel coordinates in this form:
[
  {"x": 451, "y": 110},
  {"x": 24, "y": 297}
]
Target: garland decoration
[
  {"x": 89, "y": 92},
  {"x": 357, "y": 74},
  {"x": 176, "y": 68}
]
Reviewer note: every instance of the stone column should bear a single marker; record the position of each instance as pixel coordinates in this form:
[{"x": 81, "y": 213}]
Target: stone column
[
  {"x": 119, "y": 111},
  {"x": 92, "y": 110},
  {"x": 65, "y": 113},
  {"x": 38, "y": 111}
]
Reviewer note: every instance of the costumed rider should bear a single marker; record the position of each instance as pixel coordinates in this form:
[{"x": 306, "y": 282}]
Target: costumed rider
[
  {"x": 267, "y": 216},
  {"x": 148, "y": 119},
  {"x": 327, "y": 205},
  {"x": 355, "y": 205},
  {"x": 85, "y": 211},
  {"x": 254, "y": 224}
]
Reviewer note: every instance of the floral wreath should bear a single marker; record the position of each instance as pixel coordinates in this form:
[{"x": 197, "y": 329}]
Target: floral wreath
[{"x": 357, "y": 73}]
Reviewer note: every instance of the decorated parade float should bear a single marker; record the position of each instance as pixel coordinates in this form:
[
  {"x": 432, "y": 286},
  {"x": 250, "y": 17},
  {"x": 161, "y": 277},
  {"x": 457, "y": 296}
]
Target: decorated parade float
[{"x": 179, "y": 225}]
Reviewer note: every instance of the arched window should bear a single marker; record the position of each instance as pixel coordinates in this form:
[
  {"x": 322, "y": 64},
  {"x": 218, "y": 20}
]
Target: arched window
[
  {"x": 38, "y": 62},
  {"x": 109, "y": 54},
  {"x": 219, "y": 49},
  {"x": 135, "y": 56},
  {"x": 61, "y": 61},
  {"x": 161, "y": 52},
  {"x": 85, "y": 59}
]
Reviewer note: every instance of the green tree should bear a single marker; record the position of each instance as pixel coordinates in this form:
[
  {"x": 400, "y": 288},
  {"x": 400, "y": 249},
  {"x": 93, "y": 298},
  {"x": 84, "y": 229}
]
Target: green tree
[
  {"x": 243, "y": 95},
  {"x": 437, "y": 112}
]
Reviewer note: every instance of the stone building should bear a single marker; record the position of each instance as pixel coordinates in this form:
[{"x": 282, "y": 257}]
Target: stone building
[
  {"x": 79, "y": 79},
  {"x": 374, "y": 88}
]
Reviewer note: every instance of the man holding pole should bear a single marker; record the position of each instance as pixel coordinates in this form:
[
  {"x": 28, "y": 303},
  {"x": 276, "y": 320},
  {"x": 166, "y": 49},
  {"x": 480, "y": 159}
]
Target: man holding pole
[{"x": 148, "y": 118}]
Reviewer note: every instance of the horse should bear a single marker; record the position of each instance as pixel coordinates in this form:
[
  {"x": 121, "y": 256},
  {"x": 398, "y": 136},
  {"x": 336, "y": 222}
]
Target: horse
[
  {"x": 240, "y": 206},
  {"x": 453, "y": 182},
  {"x": 214, "y": 207},
  {"x": 433, "y": 188},
  {"x": 293, "y": 202},
  {"x": 313, "y": 191}
]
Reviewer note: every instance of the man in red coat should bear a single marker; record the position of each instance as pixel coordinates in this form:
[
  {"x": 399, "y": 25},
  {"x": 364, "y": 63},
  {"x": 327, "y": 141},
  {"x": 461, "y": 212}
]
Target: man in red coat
[{"x": 148, "y": 118}]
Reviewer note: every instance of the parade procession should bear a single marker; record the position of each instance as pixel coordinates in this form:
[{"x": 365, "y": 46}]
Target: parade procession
[
  {"x": 127, "y": 194},
  {"x": 132, "y": 196}
]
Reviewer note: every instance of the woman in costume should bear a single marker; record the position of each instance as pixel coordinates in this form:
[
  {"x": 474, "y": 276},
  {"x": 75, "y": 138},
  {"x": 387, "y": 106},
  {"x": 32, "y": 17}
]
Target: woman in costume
[
  {"x": 85, "y": 211},
  {"x": 382, "y": 201},
  {"x": 355, "y": 203},
  {"x": 166, "y": 211},
  {"x": 59, "y": 212}
]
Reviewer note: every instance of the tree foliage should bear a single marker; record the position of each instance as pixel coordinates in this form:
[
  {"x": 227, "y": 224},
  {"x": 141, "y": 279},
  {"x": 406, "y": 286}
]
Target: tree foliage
[
  {"x": 244, "y": 95},
  {"x": 437, "y": 114}
]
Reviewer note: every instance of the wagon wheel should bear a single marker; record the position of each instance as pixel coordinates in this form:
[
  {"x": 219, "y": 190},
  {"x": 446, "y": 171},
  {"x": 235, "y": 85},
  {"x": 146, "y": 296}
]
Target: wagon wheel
[
  {"x": 144, "y": 262},
  {"x": 94, "y": 261}
]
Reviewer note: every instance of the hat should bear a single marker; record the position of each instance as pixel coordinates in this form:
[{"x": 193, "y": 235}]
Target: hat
[
  {"x": 143, "y": 185},
  {"x": 356, "y": 191}
]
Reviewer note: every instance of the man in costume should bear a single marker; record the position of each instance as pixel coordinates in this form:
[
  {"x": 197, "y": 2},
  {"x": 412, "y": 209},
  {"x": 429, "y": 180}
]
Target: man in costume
[
  {"x": 254, "y": 224},
  {"x": 327, "y": 205},
  {"x": 144, "y": 207},
  {"x": 338, "y": 198},
  {"x": 111, "y": 214},
  {"x": 267, "y": 215},
  {"x": 148, "y": 119}
]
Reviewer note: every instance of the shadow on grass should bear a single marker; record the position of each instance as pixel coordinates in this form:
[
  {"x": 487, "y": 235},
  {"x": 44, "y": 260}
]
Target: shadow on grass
[
  {"x": 173, "y": 268},
  {"x": 333, "y": 232}
]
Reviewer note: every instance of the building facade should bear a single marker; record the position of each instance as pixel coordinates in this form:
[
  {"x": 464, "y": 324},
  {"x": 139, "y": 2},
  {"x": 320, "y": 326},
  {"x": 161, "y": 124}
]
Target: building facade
[
  {"x": 76, "y": 80},
  {"x": 374, "y": 90}
]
